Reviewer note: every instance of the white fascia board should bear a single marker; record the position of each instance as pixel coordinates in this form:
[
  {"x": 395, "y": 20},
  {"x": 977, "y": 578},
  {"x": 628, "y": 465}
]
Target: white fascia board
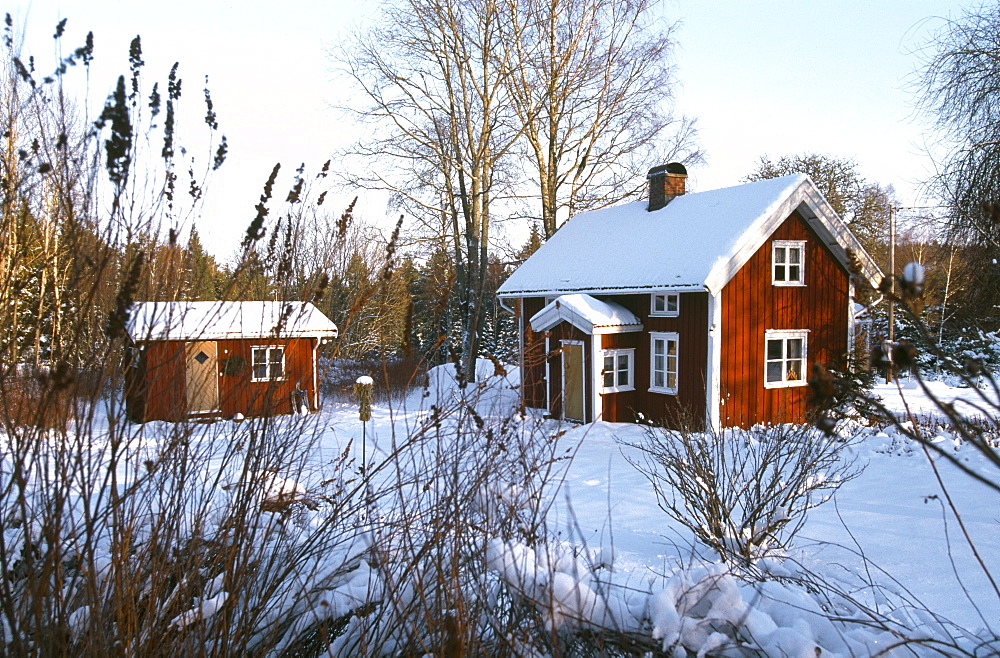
[
  {"x": 643, "y": 290},
  {"x": 616, "y": 329}
]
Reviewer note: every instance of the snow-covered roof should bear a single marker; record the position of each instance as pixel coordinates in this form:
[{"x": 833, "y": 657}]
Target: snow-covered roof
[
  {"x": 590, "y": 315},
  {"x": 698, "y": 240},
  {"x": 226, "y": 320}
]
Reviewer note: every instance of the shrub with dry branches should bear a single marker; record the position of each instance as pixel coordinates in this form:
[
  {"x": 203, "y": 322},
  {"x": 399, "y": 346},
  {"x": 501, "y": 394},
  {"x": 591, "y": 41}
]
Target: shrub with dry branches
[{"x": 743, "y": 493}]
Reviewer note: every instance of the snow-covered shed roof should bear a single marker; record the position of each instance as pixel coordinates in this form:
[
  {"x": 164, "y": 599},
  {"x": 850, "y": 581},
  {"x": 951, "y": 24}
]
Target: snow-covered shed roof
[
  {"x": 226, "y": 320},
  {"x": 590, "y": 315},
  {"x": 697, "y": 241}
]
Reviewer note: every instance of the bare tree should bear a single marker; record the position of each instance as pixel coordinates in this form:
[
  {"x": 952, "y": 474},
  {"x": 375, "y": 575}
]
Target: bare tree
[
  {"x": 592, "y": 87},
  {"x": 434, "y": 74},
  {"x": 960, "y": 92}
]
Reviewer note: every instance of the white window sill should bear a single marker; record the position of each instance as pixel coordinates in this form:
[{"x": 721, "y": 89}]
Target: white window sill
[
  {"x": 665, "y": 391},
  {"x": 617, "y": 389},
  {"x": 789, "y": 284},
  {"x": 663, "y": 314},
  {"x": 791, "y": 384}
]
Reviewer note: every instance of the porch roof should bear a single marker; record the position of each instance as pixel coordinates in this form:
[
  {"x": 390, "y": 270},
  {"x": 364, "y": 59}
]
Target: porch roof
[{"x": 590, "y": 315}]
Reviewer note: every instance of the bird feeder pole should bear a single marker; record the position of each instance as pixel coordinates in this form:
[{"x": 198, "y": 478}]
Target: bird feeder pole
[{"x": 363, "y": 390}]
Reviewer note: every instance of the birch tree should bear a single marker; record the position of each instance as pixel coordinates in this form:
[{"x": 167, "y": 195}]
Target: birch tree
[
  {"x": 435, "y": 78},
  {"x": 592, "y": 88}
]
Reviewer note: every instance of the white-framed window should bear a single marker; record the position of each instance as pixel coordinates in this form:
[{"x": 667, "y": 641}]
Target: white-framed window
[
  {"x": 785, "y": 354},
  {"x": 268, "y": 363},
  {"x": 788, "y": 262},
  {"x": 617, "y": 373},
  {"x": 665, "y": 304},
  {"x": 663, "y": 360}
]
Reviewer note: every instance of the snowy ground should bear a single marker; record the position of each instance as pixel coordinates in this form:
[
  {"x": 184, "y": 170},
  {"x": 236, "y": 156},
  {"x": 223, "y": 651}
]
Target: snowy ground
[{"x": 890, "y": 522}]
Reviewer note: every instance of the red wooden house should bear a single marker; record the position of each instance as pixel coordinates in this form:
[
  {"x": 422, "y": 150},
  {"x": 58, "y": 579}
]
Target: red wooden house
[
  {"x": 698, "y": 308},
  {"x": 220, "y": 359}
]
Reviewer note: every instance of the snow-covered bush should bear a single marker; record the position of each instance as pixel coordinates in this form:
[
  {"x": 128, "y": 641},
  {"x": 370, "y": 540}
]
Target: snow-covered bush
[
  {"x": 454, "y": 486},
  {"x": 170, "y": 538},
  {"x": 744, "y": 493}
]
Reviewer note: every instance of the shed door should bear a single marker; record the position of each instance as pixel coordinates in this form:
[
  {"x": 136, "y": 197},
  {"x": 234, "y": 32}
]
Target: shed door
[
  {"x": 572, "y": 358},
  {"x": 202, "y": 376}
]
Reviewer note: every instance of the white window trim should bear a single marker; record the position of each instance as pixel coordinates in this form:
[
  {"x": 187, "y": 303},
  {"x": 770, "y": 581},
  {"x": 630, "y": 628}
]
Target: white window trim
[
  {"x": 653, "y": 313},
  {"x": 284, "y": 363},
  {"x": 785, "y": 334},
  {"x": 667, "y": 336},
  {"x": 631, "y": 370},
  {"x": 789, "y": 244}
]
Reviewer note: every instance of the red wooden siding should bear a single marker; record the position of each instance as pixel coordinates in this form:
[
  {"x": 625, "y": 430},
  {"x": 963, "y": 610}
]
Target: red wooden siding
[
  {"x": 156, "y": 390},
  {"x": 533, "y": 365},
  {"x": 751, "y": 304},
  {"x": 687, "y": 408},
  {"x": 162, "y": 373},
  {"x": 238, "y": 394}
]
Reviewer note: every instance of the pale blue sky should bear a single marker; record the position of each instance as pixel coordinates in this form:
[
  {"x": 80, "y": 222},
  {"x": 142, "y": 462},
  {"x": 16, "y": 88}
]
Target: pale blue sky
[{"x": 762, "y": 77}]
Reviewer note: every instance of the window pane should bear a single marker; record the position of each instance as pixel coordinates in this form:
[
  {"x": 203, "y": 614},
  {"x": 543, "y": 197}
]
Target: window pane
[
  {"x": 658, "y": 345},
  {"x": 658, "y": 363},
  {"x": 779, "y": 255},
  {"x": 277, "y": 363},
  {"x": 794, "y": 348},
  {"x": 774, "y": 349},
  {"x": 795, "y": 256},
  {"x": 609, "y": 378},
  {"x": 259, "y": 359},
  {"x": 658, "y": 378},
  {"x": 774, "y": 372},
  {"x": 672, "y": 303},
  {"x": 623, "y": 369},
  {"x": 672, "y": 380},
  {"x": 779, "y": 273},
  {"x": 658, "y": 304},
  {"x": 793, "y": 273},
  {"x": 672, "y": 347},
  {"x": 794, "y": 371}
]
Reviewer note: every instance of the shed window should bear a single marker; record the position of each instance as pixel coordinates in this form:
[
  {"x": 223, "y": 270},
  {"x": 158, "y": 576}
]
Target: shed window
[
  {"x": 785, "y": 358},
  {"x": 663, "y": 363},
  {"x": 666, "y": 304},
  {"x": 617, "y": 374},
  {"x": 788, "y": 262},
  {"x": 268, "y": 363}
]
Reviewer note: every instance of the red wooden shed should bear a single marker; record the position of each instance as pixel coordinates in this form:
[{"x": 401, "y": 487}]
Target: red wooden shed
[
  {"x": 697, "y": 308},
  {"x": 220, "y": 359}
]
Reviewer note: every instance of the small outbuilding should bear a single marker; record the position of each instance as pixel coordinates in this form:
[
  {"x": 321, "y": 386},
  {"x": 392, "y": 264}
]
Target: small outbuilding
[
  {"x": 220, "y": 359},
  {"x": 689, "y": 309}
]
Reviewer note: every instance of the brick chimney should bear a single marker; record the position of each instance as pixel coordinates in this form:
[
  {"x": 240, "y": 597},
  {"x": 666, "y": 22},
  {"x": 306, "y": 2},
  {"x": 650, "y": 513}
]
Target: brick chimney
[{"x": 665, "y": 183}]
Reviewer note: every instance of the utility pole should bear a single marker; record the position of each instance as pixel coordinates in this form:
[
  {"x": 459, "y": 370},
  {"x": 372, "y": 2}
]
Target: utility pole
[{"x": 892, "y": 290}]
